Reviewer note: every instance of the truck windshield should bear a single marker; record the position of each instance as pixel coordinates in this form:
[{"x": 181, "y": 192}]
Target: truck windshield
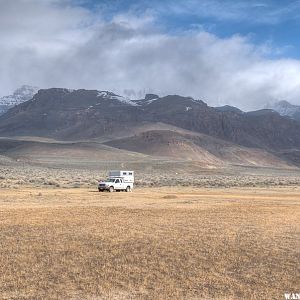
[{"x": 110, "y": 180}]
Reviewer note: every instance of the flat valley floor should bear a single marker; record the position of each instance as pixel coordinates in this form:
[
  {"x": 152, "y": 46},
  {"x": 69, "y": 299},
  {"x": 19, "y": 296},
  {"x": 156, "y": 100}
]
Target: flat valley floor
[{"x": 165, "y": 243}]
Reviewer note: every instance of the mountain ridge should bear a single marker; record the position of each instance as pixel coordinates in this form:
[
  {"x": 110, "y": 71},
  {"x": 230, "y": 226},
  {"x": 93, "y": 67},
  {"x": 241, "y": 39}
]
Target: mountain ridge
[{"x": 90, "y": 114}]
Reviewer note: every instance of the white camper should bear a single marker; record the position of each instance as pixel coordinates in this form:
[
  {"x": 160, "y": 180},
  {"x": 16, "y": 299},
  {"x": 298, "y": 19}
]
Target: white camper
[{"x": 117, "y": 181}]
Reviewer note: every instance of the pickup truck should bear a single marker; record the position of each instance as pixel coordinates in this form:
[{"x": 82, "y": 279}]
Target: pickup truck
[{"x": 115, "y": 184}]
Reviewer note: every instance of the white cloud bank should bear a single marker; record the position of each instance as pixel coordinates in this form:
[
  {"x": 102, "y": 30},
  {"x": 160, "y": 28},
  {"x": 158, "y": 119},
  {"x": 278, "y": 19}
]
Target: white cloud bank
[{"x": 55, "y": 44}]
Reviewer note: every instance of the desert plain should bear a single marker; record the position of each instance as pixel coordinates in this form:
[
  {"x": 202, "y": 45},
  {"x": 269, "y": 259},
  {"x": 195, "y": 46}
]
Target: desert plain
[{"x": 152, "y": 243}]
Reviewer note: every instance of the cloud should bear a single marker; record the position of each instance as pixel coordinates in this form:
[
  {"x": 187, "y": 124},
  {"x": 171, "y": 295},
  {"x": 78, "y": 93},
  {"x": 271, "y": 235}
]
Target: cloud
[{"x": 54, "y": 43}]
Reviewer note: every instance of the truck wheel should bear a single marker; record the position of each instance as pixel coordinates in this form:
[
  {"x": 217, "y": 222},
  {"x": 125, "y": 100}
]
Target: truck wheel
[
  {"x": 111, "y": 189},
  {"x": 128, "y": 189},
  {"x": 100, "y": 190}
]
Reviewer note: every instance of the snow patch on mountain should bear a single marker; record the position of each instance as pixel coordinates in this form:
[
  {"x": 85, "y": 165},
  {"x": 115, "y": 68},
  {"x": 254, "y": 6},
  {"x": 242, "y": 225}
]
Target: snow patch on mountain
[
  {"x": 285, "y": 108},
  {"x": 110, "y": 95},
  {"x": 22, "y": 94}
]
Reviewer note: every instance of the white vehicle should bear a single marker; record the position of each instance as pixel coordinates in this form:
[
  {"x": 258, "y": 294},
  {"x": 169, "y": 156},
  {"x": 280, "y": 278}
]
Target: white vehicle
[{"x": 117, "y": 181}]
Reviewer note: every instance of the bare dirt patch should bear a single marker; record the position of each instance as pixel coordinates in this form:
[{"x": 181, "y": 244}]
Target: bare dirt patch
[{"x": 169, "y": 197}]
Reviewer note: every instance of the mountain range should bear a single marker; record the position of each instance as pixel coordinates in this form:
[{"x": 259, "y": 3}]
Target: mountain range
[{"x": 172, "y": 126}]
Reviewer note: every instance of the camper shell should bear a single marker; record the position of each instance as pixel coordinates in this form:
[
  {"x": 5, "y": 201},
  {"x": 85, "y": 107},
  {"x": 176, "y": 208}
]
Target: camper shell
[{"x": 128, "y": 176}]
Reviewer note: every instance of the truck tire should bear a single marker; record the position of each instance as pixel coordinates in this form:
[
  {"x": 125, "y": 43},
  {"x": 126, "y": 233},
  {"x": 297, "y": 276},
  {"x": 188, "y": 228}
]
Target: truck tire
[
  {"x": 128, "y": 189},
  {"x": 100, "y": 190},
  {"x": 111, "y": 189}
]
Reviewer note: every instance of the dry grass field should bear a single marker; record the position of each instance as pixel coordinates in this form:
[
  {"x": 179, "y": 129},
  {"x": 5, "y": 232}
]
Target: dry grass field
[{"x": 165, "y": 243}]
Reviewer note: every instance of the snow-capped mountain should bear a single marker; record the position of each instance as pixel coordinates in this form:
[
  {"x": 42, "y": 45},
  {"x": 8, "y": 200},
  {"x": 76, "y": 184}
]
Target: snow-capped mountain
[
  {"x": 20, "y": 95},
  {"x": 285, "y": 108}
]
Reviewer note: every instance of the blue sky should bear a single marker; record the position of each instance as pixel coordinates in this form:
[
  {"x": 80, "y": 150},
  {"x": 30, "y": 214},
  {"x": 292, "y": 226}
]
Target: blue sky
[{"x": 274, "y": 22}]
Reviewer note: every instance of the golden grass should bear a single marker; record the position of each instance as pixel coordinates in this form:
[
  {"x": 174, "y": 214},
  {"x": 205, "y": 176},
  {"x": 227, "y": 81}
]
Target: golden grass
[{"x": 166, "y": 243}]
